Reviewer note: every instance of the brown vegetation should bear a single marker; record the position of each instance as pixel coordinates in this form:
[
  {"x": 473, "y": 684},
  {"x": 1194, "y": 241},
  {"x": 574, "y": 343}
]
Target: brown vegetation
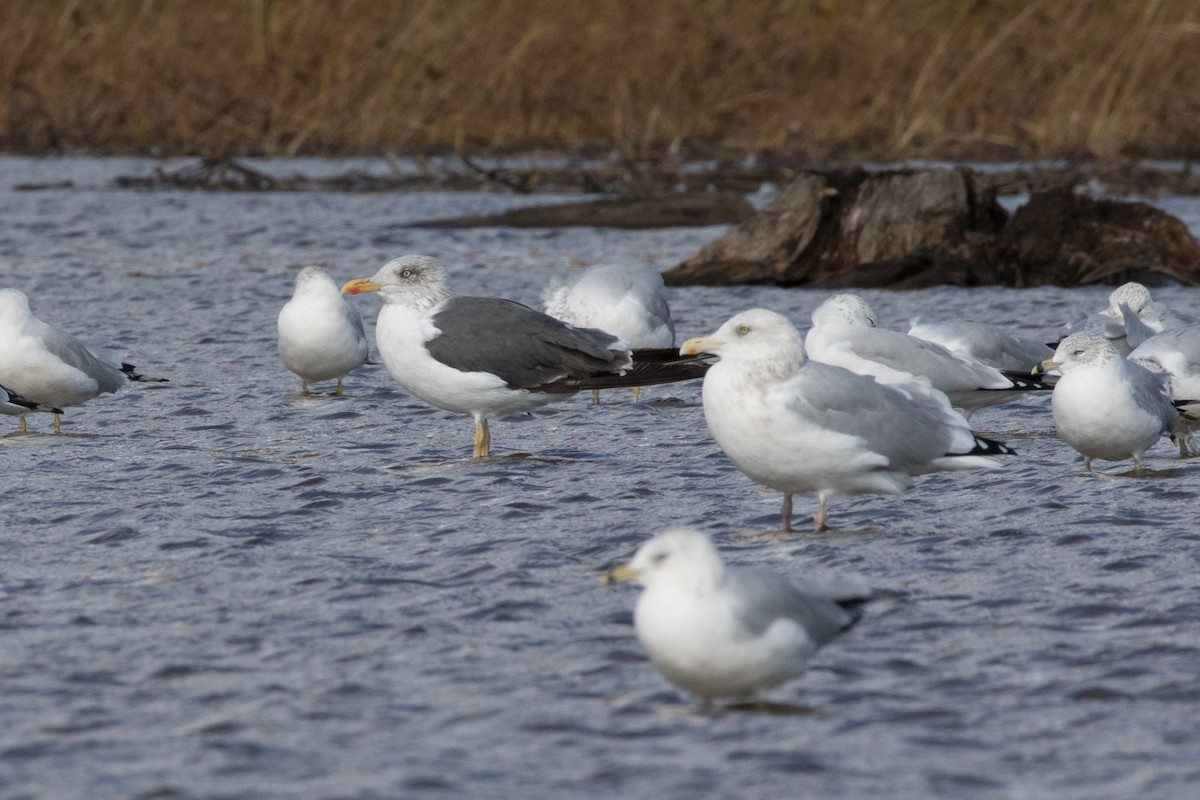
[{"x": 823, "y": 78}]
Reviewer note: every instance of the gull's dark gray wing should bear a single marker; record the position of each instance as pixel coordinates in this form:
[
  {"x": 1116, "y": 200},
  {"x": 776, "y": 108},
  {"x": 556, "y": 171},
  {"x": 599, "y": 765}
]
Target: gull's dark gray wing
[{"x": 523, "y": 347}]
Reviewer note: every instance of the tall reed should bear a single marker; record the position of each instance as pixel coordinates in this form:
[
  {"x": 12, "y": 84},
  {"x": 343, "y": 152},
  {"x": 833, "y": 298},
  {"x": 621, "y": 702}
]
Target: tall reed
[{"x": 827, "y": 78}]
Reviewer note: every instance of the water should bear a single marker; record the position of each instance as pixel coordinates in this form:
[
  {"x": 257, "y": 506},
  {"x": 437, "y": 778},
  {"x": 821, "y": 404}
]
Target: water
[{"x": 217, "y": 588}]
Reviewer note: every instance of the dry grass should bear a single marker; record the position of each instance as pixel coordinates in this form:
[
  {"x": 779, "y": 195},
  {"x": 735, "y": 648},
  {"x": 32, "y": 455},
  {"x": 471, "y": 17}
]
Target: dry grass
[{"x": 829, "y": 78}]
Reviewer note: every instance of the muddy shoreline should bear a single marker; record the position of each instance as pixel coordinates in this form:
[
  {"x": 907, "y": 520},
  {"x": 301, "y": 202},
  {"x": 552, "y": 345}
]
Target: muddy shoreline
[{"x": 627, "y": 178}]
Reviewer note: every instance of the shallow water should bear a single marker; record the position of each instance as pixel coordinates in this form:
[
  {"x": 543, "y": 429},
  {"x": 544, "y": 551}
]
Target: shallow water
[{"x": 216, "y": 588}]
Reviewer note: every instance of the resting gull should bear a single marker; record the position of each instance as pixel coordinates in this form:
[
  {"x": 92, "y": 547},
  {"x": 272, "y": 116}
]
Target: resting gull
[
  {"x": 799, "y": 426},
  {"x": 1104, "y": 405},
  {"x": 1176, "y": 355},
  {"x": 984, "y": 342},
  {"x": 321, "y": 336},
  {"x": 844, "y": 334},
  {"x": 486, "y": 356},
  {"x": 720, "y": 631},
  {"x": 51, "y": 367},
  {"x": 627, "y": 300},
  {"x": 1130, "y": 318}
]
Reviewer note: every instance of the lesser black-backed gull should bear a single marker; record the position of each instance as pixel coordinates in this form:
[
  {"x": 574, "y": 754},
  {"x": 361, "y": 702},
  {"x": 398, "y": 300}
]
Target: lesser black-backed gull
[{"x": 486, "y": 356}]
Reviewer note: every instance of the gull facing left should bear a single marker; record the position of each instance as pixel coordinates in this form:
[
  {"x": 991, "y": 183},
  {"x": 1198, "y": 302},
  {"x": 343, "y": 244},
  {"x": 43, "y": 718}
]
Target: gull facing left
[
  {"x": 486, "y": 356},
  {"x": 50, "y": 367},
  {"x": 804, "y": 426},
  {"x": 721, "y": 631},
  {"x": 1106, "y": 406}
]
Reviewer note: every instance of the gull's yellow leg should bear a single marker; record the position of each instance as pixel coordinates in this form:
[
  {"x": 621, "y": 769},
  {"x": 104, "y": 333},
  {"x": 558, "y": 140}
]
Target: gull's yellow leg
[
  {"x": 637, "y": 390},
  {"x": 304, "y": 387},
  {"x": 58, "y": 423},
  {"x": 595, "y": 397},
  {"x": 338, "y": 391},
  {"x": 21, "y": 425},
  {"x": 483, "y": 439}
]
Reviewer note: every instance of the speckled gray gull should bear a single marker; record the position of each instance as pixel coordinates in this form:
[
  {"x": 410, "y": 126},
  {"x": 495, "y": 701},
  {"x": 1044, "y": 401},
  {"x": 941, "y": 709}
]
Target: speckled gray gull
[
  {"x": 627, "y": 300},
  {"x": 49, "y": 366},
  {"x": 844, "y": 334},
  {"x": 1175, "y": 354},
  {"x": 321, "y": 336},
  {"x": 722, "y": 631},
  {"x": 984, "y": 342},
  {"x": 1130, "y": 317},
  {"x": 1104, "y": 405},
  {"x": 486, "y": 356},
  {"x": 804, "y": 426}
]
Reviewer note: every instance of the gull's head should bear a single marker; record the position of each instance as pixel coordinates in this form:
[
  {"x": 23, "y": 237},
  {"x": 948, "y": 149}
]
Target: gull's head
[
  {"x": 415, "y": 281},
  {"x": 1088, "y": 349},
  {"x": 848, "y": 309},
  {"x": 1134, "y": 295},
  {"x": 14, "y": 304},
  {"x": 314, "y": 279},
  {"x": 680, "y": 558},
  {"x": 751, "y": 336}
]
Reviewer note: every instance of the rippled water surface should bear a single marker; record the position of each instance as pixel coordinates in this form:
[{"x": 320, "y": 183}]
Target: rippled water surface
[{"x": 218, "y": 588}]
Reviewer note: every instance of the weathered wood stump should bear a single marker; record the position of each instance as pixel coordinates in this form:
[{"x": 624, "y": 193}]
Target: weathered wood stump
[
  {"x": 911, "y": 229},
  {"x": 1069, "y": 239}
]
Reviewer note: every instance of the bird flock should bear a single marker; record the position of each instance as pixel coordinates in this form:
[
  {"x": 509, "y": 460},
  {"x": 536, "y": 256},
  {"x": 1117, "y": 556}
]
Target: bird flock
[{"x": 850, "y": 408}]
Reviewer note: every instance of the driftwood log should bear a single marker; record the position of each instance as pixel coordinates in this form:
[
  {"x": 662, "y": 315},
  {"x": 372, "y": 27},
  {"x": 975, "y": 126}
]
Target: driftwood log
[
  {"x": 676, "y": 209},
  {"x": 917, "y": 228}
]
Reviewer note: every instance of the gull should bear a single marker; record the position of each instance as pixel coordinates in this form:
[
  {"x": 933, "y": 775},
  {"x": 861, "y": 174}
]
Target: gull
[
  {"x": 627, "y": 300},
  {"x": 805, "y": 426},
  {"x": 321, "y": 336},
  {"x": 720, "y": 631},
  {"x": 984, "y": 342},
  {"x": 1104, "y": 405},
  {"x": 844, "y": 334},
  {"x": 486, "y": 356},
  {"x": 1176, "y": 355},
  {"x": 13, "y": 404},
  {"x": 51, "y": 367},
  {"x": 1130, "y": 318}
]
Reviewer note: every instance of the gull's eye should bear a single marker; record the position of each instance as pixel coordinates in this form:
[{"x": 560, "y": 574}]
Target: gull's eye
[
  {"x": 743, "y": 330},
  {"x": 659, "y": 558},
  {"x": 408, "y": 273},
  {"x": 1077, "y": 352}
]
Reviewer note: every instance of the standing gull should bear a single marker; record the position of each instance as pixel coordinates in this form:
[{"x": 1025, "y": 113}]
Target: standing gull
[
  {"x": 627, "y": 300},
  {"x": 51, "y": 367},
  {"x": 321, "y": 336},
  {"x": 486, "y": 356},
  {"x": 13, "y": 404},
  {"x": 1105, "y": 406},
  {"x": 721, "y": 631},
  {"x": 844, "y": 335},
  {"x": 799, "y": 426}
]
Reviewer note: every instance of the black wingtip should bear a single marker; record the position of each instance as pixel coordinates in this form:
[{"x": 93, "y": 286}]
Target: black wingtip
[
  {"x": 131, "y": 372},
  {"x": 991, "y": 447},
  {"x": 1023, "y": 381}
]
